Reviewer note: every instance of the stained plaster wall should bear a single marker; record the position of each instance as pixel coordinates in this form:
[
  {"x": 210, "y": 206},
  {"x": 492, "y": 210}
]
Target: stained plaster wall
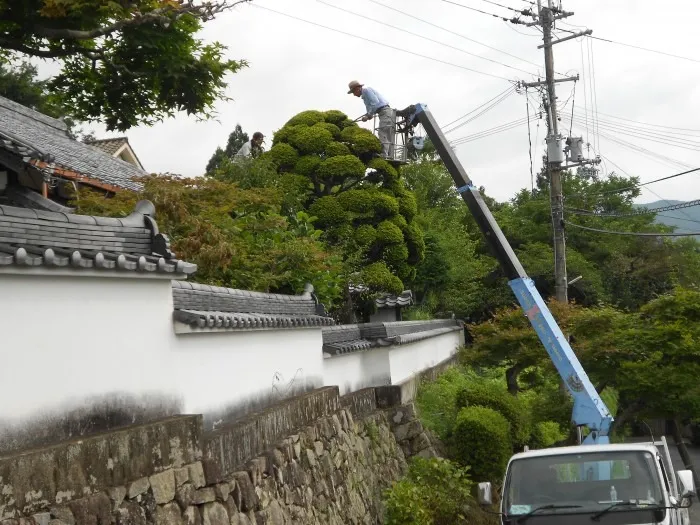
[{"x": 353, "y": 371}]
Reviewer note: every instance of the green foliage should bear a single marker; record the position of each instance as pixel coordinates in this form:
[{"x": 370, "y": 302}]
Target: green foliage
[
  {"x": 237, "y": 237},
  {"x": 481, "y": 439},
  {"x": 388, "y": 233},
  {"x": 336, "y": 149},
  {"x": 492, "y": 394},
  {"x": 123, "y": 63},
  {"x": 361, "y": 141},
  {"x": 310, "y": 140},
  {"x": 434, "y": 492},
  {"x": 365, "y": 235},
  {"x": 330, "y": 128},
  {"x": 377, "y": 276},
  {"x": 307, "y": 165},
  {"x": 546, "y": 434},
  {"x": 328, "y": 211},
  {"x": 341, "y": 167},
  {"x": 334, "y": 116},
  {"x": 306, "y": 118},
  {"x": 283, "y": 156},
  {"x": 437, "y": 400}
]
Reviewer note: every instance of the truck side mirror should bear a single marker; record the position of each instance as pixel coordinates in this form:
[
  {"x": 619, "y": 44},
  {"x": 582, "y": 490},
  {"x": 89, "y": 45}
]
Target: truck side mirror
[
  {"x": 686, "y": 485},
  {"x": 485, "y": 493}
]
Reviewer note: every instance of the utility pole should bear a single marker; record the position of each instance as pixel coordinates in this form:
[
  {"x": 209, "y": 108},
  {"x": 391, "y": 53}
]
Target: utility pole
[{"x": 555, "y": 151}]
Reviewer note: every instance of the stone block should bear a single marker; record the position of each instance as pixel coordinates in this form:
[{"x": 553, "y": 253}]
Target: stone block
[
  {"x": 272, "y": 515},
  {"x": 182, "y": 476},
  {"x": 240, "y": 519},
  {"x": 420, "y": 442},
  {"x": 222, "y": 491},
  {"x": 185, "y": 495},
  {"x": 163, "y": 486},
  {"x": 204, "y": 495},
  {"x": 195, "y": 472},
  {"x": 64, "y": 514},
  {"x": 93, "y": 510},
  {"x": 42, "y": 518},
  {"x": 244, "y": 494},
  {"x": 408, "y": 430},
  {"x": 212, "y": 471},
  {"x": 192, "y": 516},
  {"x": 168, "y": 514},
  {"x": 402, "y": 414},
  {"x": 138, "y": 487},
  {"x": 130, "y": 513},
  {"x": 214, "y": 514},
  {"x": 116, "y": 495},
  {"x": 427, "y": 453},
  {"x": 230, "y": 506}
]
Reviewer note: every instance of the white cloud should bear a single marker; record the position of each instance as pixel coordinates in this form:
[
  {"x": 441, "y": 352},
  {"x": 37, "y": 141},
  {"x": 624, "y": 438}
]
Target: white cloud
[{"x": 295, "y": 66}]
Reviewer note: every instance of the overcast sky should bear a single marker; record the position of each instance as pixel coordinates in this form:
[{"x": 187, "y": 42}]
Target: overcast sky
[{"x": 295, "y": 66}]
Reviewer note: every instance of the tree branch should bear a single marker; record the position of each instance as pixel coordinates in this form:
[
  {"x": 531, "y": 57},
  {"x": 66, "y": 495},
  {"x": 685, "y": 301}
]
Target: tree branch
[{"x": 164, "y": 15}]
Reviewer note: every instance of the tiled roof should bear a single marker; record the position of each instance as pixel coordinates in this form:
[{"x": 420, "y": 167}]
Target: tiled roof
[
  {"x": 204, "y": 306},
  {"x": 110, "y": 146},
  {"x": 345, "y": 339},
  {"x": 45, "y": 141},
  {"x": 393, "y": 301},
  {"x": 33, "y": 238}
]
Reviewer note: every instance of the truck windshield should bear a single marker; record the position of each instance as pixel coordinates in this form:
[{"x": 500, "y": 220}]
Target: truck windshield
[{"x": 592, "y": 480}]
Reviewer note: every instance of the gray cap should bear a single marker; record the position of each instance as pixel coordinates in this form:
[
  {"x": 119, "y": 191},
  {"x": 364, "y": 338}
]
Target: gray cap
[{"x": 352, "y": 85}]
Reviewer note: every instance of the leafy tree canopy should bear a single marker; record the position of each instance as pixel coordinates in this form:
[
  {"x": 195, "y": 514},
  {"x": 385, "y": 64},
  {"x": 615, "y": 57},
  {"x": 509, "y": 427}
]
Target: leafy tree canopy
[
  {"x": 125, "y": 63},
  {"x": 236, "y": 139},
  {"x": 237, "y": 237}
]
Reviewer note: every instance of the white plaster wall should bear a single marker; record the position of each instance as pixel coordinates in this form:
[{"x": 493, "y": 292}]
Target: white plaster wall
[
  {"x": 409, "y": 359},
  {"x": 351, "y": 372},
  {"x": 64, "y": 338},
  {"x": 216, "y": 370}
]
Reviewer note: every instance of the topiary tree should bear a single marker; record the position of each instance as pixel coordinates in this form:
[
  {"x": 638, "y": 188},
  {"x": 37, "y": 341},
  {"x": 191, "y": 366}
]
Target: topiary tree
[
  {"x": 481, "y": 440},
  {"x": 358, "y": 199}
]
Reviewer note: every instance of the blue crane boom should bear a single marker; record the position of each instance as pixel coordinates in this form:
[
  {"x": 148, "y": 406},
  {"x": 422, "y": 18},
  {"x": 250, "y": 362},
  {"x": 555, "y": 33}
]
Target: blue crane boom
[{"x": 589, "y": 409}]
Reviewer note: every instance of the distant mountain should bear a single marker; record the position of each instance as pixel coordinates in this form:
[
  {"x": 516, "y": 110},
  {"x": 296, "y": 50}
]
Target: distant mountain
[{"x": 684, "y": 219}]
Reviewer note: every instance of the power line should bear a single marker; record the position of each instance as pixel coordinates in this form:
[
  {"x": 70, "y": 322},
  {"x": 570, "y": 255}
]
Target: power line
[
  {"x": 648, "y": 124},
  {"x": 524, "y": 12},
  {"x": 634, "y": 234},
  {"x": 628, "y": 188},
  {"x": 477, "y": 10},
  {"x": 644, "y": 211},
  {"x": 380, "y": 43},
  {"x": 482, "y": 112},
  {"x": 488, "y": 132},
  {"x": 639, "y": 128},
  {"x": 644, "y": 48},
  {"x": 479, "y": 107},
  {"x": 529, "y": 141},
  {"x": 424, "y": 37},
  {"x": 454, "y": 33}
]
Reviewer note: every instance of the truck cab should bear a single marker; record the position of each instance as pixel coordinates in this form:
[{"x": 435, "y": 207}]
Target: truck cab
[{"x": 616, "y": 484}]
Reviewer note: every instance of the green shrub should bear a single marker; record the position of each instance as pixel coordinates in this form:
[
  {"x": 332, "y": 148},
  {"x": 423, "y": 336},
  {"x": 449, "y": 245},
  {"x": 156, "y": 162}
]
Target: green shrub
[
  {"x": 306, "y": 118},
  {"x": 415, "y": 242},
  {"x": 408, "y": 207},
  {"x": 331, "y": 128},
  {"x": 310, "y": 140},
  {"x": 434, "y": 491},
  {"x": 361, "y": 141},
  {"x": 307, "y": 165},
  {"x": 283, "y": 156},
  {"x": 495, "y": 395},
  {"x": 384, "y": 168},
  {"x": 546, "y": 434},
  {"x": 334, "y": 116},
  {"x": 337, "y": 149},
  {"x": 365, "y": 235},
  {"x": 395, "y": 257},
  {"x": 378, "y": 278},
  {"x": 342, "y": 167},
  {"x": 481, "y": 439},
  {"x": 437, "y": 401},
  {"x": 389, "y": 233},
  {"x": 329, "y": 212}
]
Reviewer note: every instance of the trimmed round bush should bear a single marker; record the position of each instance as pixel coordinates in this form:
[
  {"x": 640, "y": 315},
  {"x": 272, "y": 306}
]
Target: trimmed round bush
[
  {"x": 415, "y": 242},
  {"x": 334, "y": 116},
  {"x": 546, "y": 434},
  {"x": 495, "y": 396},
  {"x": 384, "y": 168},
  {"x": 329, "y": 212},
  {"x": 389, "y": 233},
  {"x": 310, "y": 140},
  {"x": 331, "y": 128},
  {"x": 365, "y": 235},
  {"x": 283, "y": 134},
  {"x": 379, "y": 278},
  {"x": 307, "y": 118},
  {"x": 342, "y": 167},
  {"x": 400, "y": 221},
  {"x": 369, "y": 202},
  {"x": 395, "y": 257},
  {"x": 283, "y": 156},
  {"x": 408, "y": 207},
  {"x": 307, "y": 165},
  {"x": 336, "y": 149},
  {"x": 361, "y": 141},
  {"x": 481, "y": 440}
]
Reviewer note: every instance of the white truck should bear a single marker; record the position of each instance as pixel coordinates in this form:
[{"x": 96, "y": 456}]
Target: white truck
[{"x": 594, "y": 481}]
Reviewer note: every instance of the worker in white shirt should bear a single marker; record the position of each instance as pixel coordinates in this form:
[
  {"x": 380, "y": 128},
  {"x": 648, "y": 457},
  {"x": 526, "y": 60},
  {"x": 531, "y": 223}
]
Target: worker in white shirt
[
  {"x": 376, "y": 105},
  {"x": 253, "y": 147}
]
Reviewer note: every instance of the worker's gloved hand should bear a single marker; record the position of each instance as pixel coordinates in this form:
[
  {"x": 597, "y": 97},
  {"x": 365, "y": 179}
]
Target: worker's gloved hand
[{"x": 366, "y": 118}]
